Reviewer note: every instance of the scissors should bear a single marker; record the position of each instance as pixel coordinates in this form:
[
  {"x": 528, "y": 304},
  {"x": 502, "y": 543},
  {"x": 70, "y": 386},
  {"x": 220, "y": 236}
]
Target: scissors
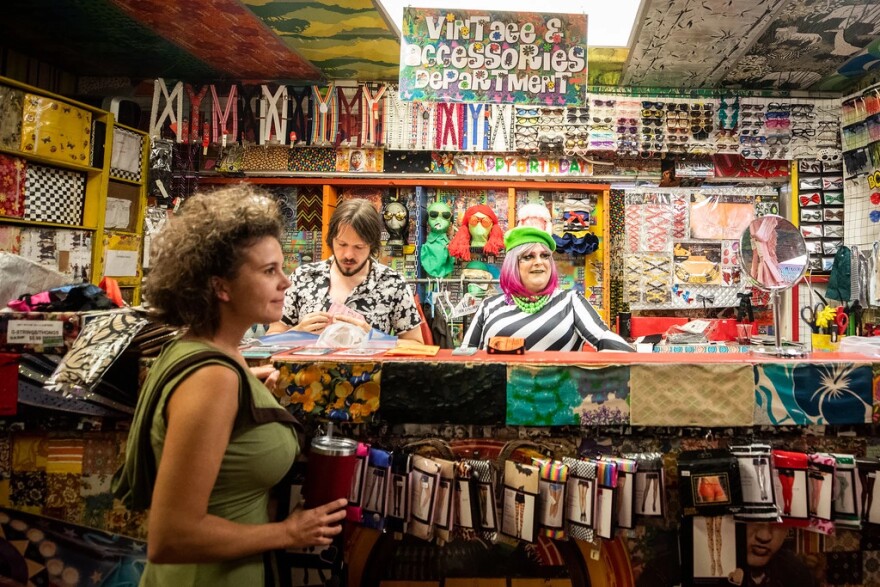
[{"x": 810, "y": 313}]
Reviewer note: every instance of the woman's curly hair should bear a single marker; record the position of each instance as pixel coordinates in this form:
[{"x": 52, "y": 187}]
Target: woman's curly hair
[{"x": 205, "y": 239}]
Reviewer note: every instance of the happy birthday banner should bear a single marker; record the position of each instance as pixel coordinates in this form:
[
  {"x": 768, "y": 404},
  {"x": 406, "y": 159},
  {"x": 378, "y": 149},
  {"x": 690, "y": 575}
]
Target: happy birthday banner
[{"x": 496, "y": 57}]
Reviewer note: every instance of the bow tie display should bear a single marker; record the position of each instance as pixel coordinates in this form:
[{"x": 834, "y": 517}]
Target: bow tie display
[{"x": 811, "y": 199}]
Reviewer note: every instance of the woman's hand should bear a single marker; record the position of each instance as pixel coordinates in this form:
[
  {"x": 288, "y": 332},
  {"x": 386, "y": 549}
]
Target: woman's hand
[
  {"x": 316, "y": 527},
  {"x": 268, "y": 374},
  {"x": 314, "y": 322},
  {"x": 359, "y": 322}
]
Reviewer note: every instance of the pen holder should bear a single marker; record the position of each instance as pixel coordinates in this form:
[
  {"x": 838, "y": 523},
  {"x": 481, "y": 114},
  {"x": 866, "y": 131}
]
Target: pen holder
[{"x": 822, "y": 342}]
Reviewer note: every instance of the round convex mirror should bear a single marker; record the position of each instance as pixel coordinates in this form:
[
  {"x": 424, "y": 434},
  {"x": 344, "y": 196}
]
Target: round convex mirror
[{"x": 773, "y": 253}]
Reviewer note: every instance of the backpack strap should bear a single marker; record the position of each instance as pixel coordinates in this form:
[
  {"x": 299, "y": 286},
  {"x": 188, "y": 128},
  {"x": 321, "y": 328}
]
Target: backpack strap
[{"x": 133, "y": 482}]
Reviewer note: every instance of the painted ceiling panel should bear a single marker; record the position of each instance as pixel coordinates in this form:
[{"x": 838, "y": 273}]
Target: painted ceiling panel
[
  {"x": 224, "y": 34},
  {"x": 93, "y": 37},
  {"x": 754, "y": 44},
  {"x": 808, "y": 42},
  {"x": 344, "y": 38},
  {"x": 686, "y": 42}
]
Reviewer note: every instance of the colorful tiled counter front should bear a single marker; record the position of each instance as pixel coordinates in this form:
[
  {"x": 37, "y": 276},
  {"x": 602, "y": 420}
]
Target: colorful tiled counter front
[{"x": 554, "y": 389}]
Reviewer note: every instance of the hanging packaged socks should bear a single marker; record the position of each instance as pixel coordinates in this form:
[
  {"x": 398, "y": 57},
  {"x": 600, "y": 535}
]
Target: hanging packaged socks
[
  {"x": 580, "y": 493},
  {"x": 553, "y": 476},
  {"x": 467, "y": 512},
  {"x": 375, "y": 497},
  {"x": 444, "y": 510},
  {"x": 790, "y": 477},
  {"x": 487, "y": 521},
  {"x": 650, "y": 484},
  {"x": 423, "y": 482},
  {"x": 354, "y": 511},
  {"x": 604, "y": 507},
  {"x": 709, "y": 482},
  {"x": 847, "y": 489},
  {"x": 399, "y": 506},
  {"x": 756, "y": 480},
  {"x": 624, "y": 491},
  {"x": 870, "y": 490},
  {"x": 519, "y": 501},
  {"x": 820, "y": 477}
]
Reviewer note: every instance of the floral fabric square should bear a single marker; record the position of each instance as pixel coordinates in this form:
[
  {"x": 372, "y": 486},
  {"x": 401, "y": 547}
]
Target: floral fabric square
[
  {"x": 13, "y": 172},
  {"x": 339, "y": 391},
  {"x": 799, "y": 394}
]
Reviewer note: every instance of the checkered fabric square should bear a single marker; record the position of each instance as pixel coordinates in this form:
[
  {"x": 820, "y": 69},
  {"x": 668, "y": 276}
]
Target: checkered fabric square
[
  {"x": 54, "y": 195},
  {"x": 126, "y": 158}
]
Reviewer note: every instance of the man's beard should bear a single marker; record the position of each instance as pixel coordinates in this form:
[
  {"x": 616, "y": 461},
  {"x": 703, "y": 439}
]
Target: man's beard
[{"x": 350, "y": 273}]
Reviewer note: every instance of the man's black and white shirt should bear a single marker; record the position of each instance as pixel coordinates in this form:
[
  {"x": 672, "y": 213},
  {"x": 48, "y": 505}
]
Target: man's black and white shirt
[{"x": 383, "y": 298}]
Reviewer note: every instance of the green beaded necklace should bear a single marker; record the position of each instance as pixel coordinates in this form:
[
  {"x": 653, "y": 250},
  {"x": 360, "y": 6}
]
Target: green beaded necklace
[{"x": 531, "y": 307}]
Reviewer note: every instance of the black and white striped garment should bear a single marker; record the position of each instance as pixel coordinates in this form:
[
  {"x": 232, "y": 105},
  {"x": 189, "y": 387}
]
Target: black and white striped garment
[{"x": 564, "y": 324}]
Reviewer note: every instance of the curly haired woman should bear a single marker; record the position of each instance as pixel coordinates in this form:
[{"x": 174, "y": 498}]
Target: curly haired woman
[{"x": 209, "y": 439}]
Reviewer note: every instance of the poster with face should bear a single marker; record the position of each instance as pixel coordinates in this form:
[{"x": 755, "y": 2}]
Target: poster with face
[{"x": 359, "y": 160}]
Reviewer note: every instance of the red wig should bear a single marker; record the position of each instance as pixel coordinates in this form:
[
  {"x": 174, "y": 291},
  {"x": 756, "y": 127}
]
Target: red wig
[{"x": 460, "y": 246}]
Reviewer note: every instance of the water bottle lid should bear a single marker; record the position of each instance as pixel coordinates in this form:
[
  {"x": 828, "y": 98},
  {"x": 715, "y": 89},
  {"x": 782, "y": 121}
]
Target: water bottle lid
[{"x": 334, "y": 446}]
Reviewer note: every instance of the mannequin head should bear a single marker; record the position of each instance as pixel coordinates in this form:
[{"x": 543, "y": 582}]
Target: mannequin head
[
  {"x": 534, "y": 215},
  {"x": 479, "y": 228},
  {"x": 396, "y": 218},
  {"x": 439, "y": 217}
]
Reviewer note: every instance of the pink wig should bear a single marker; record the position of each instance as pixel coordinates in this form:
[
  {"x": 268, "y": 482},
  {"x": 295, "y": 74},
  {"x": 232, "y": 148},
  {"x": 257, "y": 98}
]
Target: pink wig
[
  {"x": 510, "y": 280},
  {"x": 460, "y": 246}
]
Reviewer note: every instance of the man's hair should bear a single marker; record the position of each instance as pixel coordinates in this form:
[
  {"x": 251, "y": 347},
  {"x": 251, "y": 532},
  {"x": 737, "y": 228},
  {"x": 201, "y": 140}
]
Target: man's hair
[
  {"x": 207, "y": 238},
  {"x": 361, "y": 215}
]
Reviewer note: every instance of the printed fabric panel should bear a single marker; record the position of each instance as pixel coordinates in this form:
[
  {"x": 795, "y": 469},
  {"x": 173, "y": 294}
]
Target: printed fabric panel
[
  {"x": 54, "y": 195},
  {"x": 56, "y": 130},
  {"x": 11, "y": 103},
  {"x": 12, "y": 175},
  {"x": 711, "y": 395},
  {"x": 799, "y": 394}
]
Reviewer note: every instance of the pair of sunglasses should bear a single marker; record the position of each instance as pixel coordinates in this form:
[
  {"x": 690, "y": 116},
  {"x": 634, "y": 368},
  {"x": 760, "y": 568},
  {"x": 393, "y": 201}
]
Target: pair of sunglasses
[{"x": 434, "y": 214}]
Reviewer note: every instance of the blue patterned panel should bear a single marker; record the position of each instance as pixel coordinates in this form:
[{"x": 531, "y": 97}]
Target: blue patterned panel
[
  {"x": 798, "y": 394},
  {"x": 567, "y": 395}
]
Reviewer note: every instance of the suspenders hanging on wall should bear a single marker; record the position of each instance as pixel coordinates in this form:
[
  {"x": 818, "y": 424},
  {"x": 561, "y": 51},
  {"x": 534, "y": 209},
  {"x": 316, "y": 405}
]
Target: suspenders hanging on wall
[
  {"x": 476, "y": 126},
  {"x": 273, "y": 115},
  {"x": 300, "y": 114},
  {"x": 325, "y": 115},
  {"x": 350, "y": 115},
  {"x": 372, "y": 116},
  {"x": 220, "y": 119}
]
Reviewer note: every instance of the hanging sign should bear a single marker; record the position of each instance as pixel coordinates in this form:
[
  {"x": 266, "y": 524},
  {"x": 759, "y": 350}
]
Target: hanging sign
[
  {"x": 519, "y": 166},
  {"x": 496, "y": 57}
]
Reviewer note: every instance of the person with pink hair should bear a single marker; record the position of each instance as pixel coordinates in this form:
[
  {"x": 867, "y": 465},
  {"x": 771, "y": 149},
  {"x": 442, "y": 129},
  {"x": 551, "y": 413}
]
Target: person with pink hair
[
  {"x": 479, "y": 228},
  {"x": 533, "y": 307}
]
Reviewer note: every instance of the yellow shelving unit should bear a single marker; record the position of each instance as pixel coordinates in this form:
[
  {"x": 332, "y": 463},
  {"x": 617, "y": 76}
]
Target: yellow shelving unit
[{"x": 98, "y": 177}]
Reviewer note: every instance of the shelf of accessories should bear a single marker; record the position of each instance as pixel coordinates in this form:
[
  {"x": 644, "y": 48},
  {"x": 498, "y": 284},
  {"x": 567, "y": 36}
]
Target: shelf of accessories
[
  {"x": 515, "y": 192},
  {"x": 97, "y": 183},
  {"x": 817, "y": 196},
  {"x": 620, "y": 122},
  {"x": 131, "y": 239},
  {"x": 96, "y": 178}
]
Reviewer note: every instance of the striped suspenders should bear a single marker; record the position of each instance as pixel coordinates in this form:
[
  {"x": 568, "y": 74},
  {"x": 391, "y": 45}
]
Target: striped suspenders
[{"x": 325, "y": 115}]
